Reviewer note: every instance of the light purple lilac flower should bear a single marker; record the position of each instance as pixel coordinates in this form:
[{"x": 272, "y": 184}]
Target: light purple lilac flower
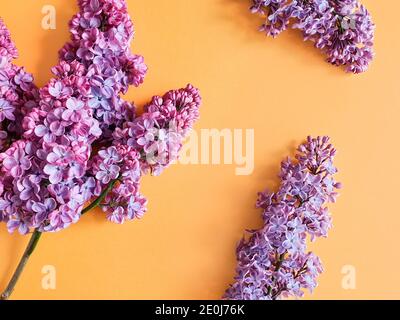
[
  {"x": 124, "y": 202},
  {"x": 43, "y": 210},
  {"x": 273, "y": 262},
  {"x": 28, "y": 188},
  {"x": 342, "y": 29},
  {"x": 6, "y": 110}
]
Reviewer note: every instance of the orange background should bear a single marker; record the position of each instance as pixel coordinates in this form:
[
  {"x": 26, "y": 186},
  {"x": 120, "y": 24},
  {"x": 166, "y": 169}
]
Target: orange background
[{"x": 283, "y": 89}]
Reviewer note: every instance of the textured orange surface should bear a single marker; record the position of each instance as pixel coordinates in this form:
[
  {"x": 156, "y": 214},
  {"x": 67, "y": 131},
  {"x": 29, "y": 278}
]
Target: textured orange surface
[{"x": 283, "y": 89}]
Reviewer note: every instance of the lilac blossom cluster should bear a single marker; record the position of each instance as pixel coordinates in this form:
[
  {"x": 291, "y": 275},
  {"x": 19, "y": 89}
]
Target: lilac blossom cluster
[
  {"x": 74, "y": 146},
  {"x": 18, "y": 94},
  {"x": 149, "y": 143},
  {"x": 273, "y": 262},
  {"x": 342, "y": 29}
]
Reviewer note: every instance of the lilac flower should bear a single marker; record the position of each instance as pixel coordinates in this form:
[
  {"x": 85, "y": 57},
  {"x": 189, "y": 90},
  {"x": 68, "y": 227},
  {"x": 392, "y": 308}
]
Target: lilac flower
[
  {"x": 60, "y": 192},
  {"x": 136, "y": 70},
  {"x": 273, "y": 262},
  {"x": 18, "y": 223},
  {"x": 64, "y": 122},
  {"x": 122, "y": 205},
  {"x": 28, "y": 187},
  {"x": 110, "y": 155},
  {"x": 76, "y": 169},
  {"x": 60, "y": 154},
  {"x": 99, "y": 101},
  {"x": 88, "y": 188},
  {"x": 43, "y": 210},
  {"x": 76, "y": 140},
  {"x": 6, "y": 204},
  {"x": 18, "y": 95},
  {"x": 147, "y": 143},
  {"x": 107, "y": 173},
  {"x": 17, "y": 163},
  {"x": 136, "y": 207},
  {"x": 343, "y": 30},
  {"x": 73, "y": 111},
  {"x": 7, "y": 46},
  {"x": 117, "y": 215},
  {"x": 107, "y": 87},
  {"x": 158, "y": 134},
  {"x": 55, "y": 172},
  {"x": 44, "y": 132},
  {"x": 6, "y": 110},
  {"x": 57, "y": 90},
  {"x": 23, "y": 80},
  {"x": 77, "y": 137}
]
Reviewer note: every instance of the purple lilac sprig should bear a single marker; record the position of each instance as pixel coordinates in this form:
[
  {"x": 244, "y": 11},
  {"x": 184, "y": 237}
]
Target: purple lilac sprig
[
  {"x": 146, "y": 144},
  {"x": 342, "y": 29},
  {"x": 56, "y": 165},
  {"x": 52, "y": 159},
  {"x": 102, "y": 33},
  {"x": 158, "y": 134},
  {"x": 79, "y": 141},
  {"x": 18, "y": 94},
  {"x": 273, "y": 262}
]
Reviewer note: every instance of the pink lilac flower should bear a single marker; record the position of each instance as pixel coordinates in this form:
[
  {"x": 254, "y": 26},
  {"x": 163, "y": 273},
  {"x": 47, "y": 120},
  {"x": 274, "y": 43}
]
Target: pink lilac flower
[
  {"x": 18, "y": 95},
  {"x": 7, "y": 47},
  {"x": 342, "y": 29},
  {"x": 17, "y": 162},
  {"x": 159, "y": 133},
  {"x": 79, "y": 140},
  {"x": 149, "y": 143},
  {"x": 273, "y": 262},
  {"x": 102, "y": 33},
  {"x": 6, "y": 110},
  {"x": 64, "y": 121},
  {"x": 23, "y": 80},
  {"x": 120, "y": 164},
  {"x": 110, "y": 155},
  {"x": 57, "y": 90},
  {"x": 107, "y": 172},
  {"x": 73, "y": 111}
]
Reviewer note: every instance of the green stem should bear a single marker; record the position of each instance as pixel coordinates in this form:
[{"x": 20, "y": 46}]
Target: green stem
[
  {"x": 101, "y": 198},
  {"x": 24, "y": 260},
  {"x": 35, "y": 239}
]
